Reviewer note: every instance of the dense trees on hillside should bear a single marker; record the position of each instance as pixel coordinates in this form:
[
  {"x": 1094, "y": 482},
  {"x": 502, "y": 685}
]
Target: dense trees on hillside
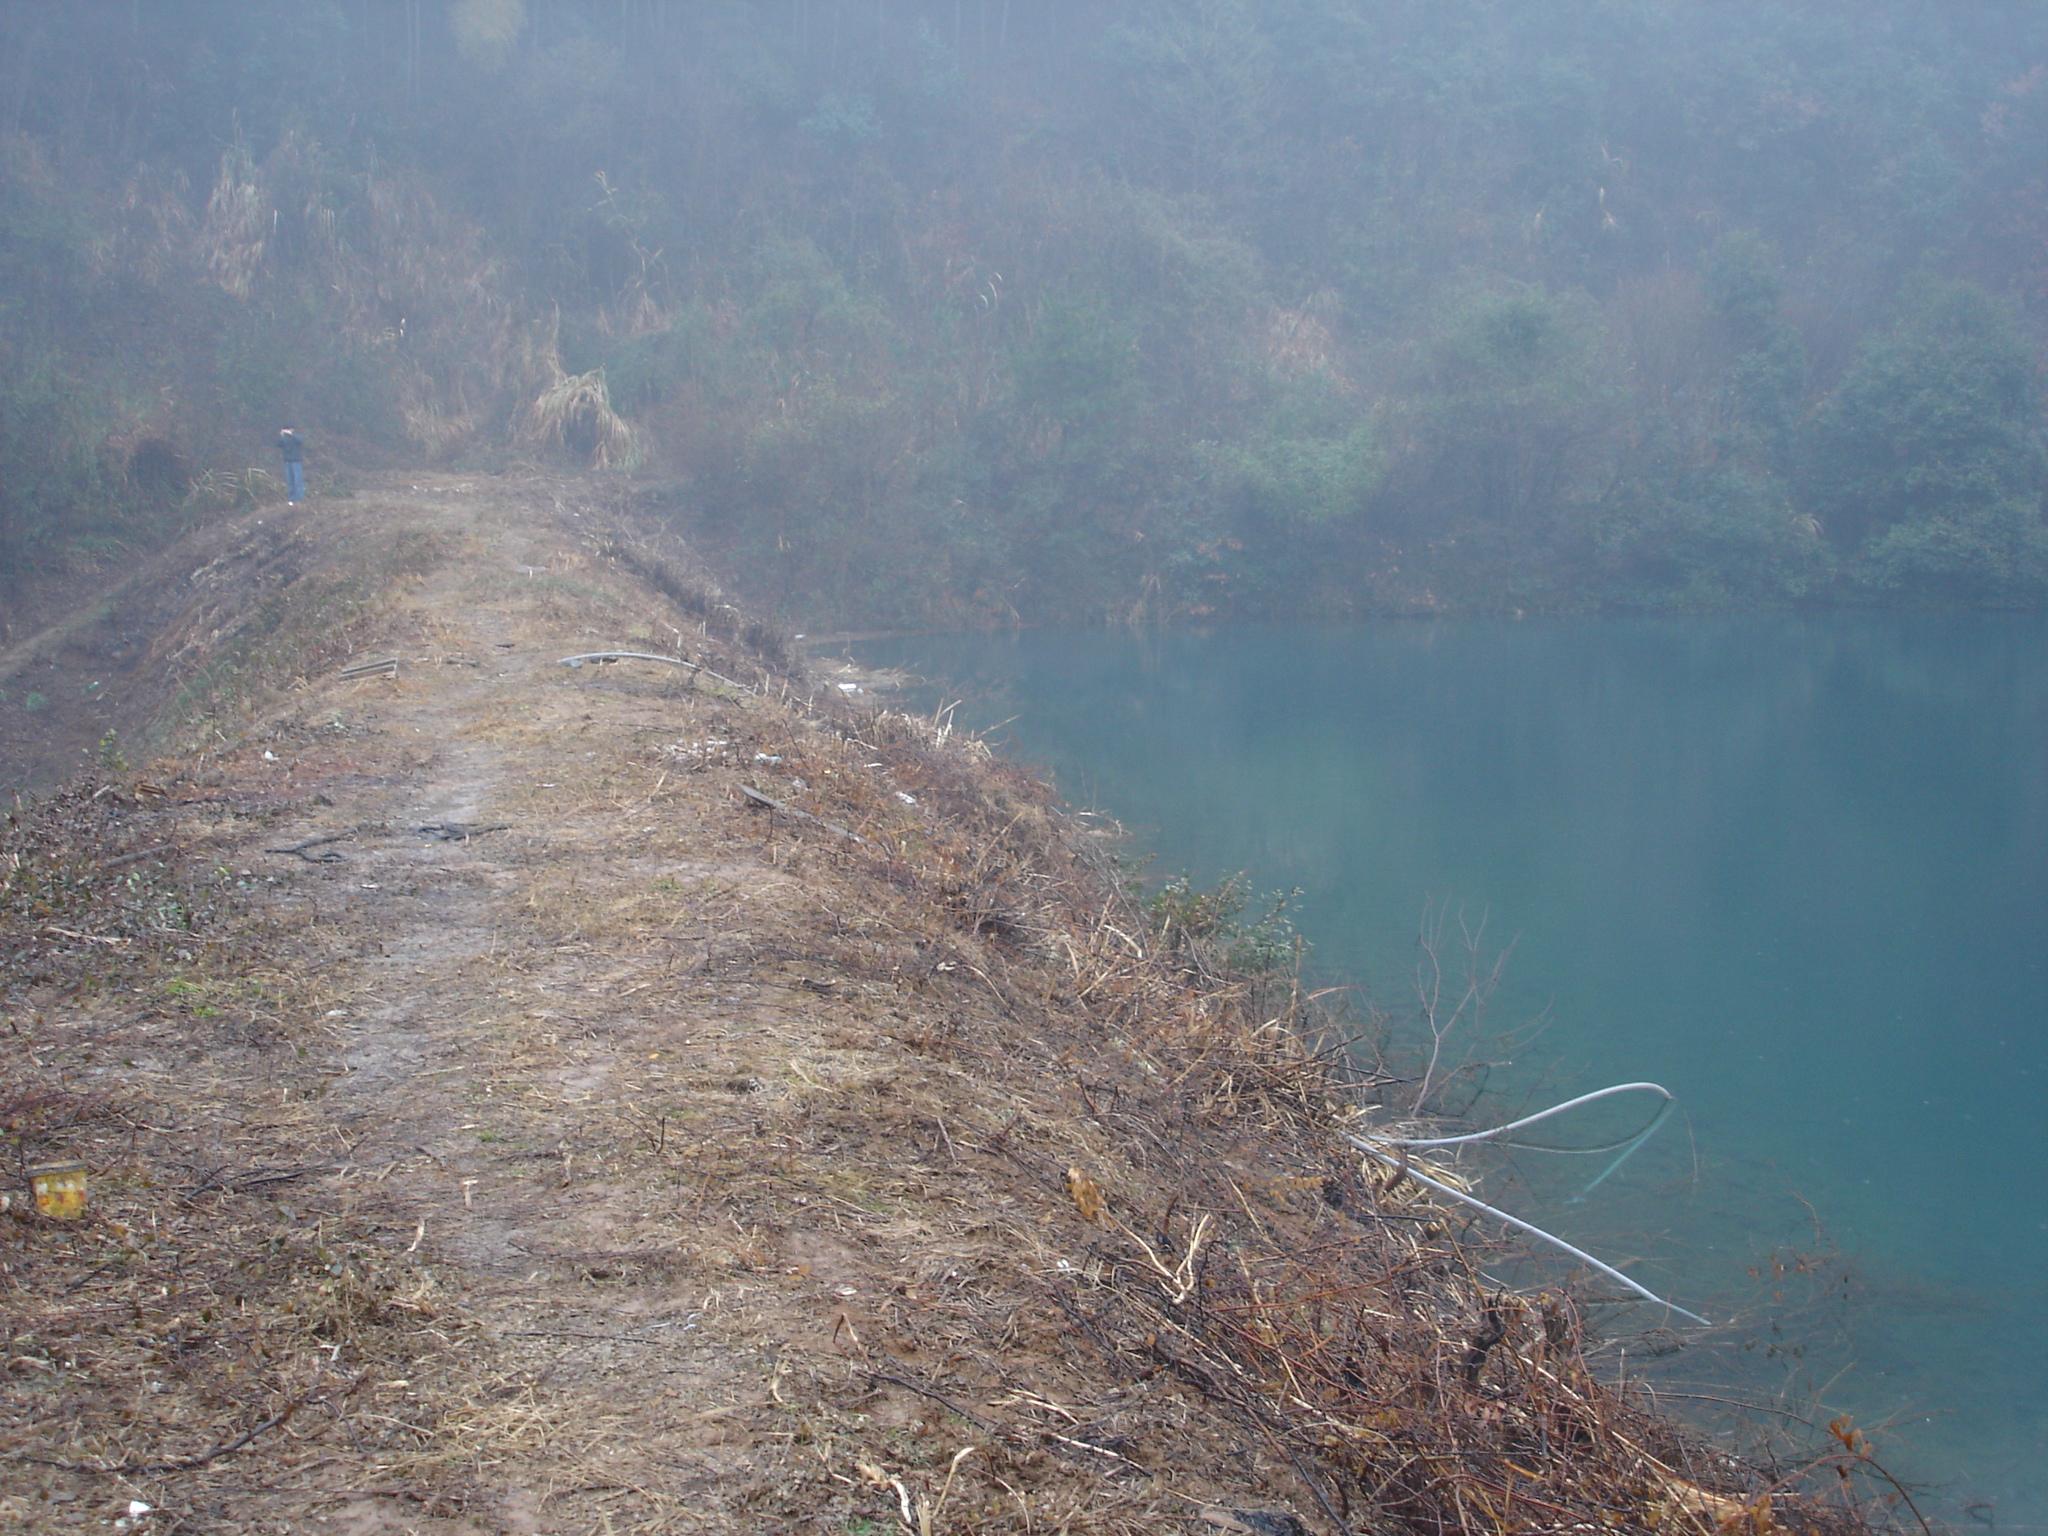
[{"x": 970, "y": 310}]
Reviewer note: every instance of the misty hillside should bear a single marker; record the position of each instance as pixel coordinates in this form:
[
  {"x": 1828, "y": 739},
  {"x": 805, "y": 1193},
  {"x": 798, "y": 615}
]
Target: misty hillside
[{"x": 962, "y": 311}]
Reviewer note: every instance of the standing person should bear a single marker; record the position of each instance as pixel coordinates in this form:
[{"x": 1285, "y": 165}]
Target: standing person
[{"x": 293, "y": 447}]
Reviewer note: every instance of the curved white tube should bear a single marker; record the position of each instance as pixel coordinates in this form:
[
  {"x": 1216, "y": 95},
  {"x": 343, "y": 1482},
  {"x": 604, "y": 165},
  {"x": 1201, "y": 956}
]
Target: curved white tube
[
  {"x": 1627, "y": 1145},
  {"x": 1519, "y": 1225}
]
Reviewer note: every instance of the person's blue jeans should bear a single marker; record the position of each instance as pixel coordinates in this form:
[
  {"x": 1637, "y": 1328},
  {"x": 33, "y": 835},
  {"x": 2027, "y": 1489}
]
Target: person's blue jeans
[{"x": 295, "y": 480}]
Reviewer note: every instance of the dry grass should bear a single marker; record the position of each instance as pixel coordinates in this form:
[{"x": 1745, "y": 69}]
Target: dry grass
[
  {"x": 223, "y": 1290},
  {"x": 1216, "y": 1238},
  {"x": 655, "y": 557},
  {"x": 574, "y": 414}
]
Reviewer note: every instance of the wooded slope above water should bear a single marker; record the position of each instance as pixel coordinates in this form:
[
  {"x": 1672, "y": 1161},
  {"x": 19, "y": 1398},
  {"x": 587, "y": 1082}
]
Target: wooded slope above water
[{"x": 964, "y": 311}]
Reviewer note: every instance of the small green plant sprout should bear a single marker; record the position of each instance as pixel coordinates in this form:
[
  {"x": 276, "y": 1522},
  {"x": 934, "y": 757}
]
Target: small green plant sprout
[{"x": 1208, "y": 926}]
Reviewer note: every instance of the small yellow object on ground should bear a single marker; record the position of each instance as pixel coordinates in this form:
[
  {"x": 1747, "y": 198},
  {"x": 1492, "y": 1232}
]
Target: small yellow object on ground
[{"x": 59, "y": 1189}]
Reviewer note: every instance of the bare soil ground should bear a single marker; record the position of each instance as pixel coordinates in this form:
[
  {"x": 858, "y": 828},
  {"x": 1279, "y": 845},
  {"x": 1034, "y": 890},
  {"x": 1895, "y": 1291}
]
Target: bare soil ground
[{"x": 499, "y": 1120}]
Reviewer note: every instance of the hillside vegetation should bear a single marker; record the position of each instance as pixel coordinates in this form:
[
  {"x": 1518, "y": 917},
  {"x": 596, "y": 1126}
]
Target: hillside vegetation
[{"x": 969, "y": 310}]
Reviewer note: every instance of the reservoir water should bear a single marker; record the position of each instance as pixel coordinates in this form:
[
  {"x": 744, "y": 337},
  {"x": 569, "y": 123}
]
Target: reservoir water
[{"x": 1793, "y": 868}]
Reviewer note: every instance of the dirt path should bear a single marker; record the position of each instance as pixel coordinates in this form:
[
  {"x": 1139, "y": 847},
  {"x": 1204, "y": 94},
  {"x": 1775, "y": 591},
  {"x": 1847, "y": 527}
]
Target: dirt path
[
  {"x": 540, "y": 977},
  {"x": 667, "y": 1096}
]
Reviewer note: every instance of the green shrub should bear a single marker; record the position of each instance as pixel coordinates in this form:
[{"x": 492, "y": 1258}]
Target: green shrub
[
  {"x": 1937, "y": 423},
  {"x": 1209, "y": 926},
  {"x": 1994, "y": 555}
]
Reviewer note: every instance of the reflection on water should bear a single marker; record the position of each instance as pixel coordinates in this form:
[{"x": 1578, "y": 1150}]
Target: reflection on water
[{"x": 1794, "y": 868}]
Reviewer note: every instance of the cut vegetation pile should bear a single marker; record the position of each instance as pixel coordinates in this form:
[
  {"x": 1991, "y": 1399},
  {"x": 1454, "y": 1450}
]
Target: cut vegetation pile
[{"x": 523, "y": 1098}]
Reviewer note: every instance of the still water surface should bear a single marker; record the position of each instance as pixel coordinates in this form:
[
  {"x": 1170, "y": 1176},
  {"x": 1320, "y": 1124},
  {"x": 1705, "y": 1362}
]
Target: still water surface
[{"x": 1796, "y": 869}]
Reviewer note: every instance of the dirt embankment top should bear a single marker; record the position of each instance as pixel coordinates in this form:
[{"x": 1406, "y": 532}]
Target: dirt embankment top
[{"x": 525, "y": 1098}]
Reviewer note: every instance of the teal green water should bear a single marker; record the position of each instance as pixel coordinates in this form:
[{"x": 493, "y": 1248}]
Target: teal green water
[{"x": 1796, "y": 869}]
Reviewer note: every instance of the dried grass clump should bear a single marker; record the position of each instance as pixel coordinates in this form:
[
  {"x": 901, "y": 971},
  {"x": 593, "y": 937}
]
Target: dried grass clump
[
  {"x": 235, "y": 236},
  {"x": 934, "y": 732},
  {"x": 230, "y": 490},
  {"x": 574, "y": 413}
]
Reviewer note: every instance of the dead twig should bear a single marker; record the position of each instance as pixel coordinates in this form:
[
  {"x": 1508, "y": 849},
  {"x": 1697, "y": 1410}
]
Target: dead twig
[
  {"x": 83, "y": 938},
  {"x": 141, "y": 854},
  {"x": 763, "y": 801},
  {"x": 329, "y": 857},
  {"x": 186, "y": 1463},
  {"x": 605, "y": 658}
]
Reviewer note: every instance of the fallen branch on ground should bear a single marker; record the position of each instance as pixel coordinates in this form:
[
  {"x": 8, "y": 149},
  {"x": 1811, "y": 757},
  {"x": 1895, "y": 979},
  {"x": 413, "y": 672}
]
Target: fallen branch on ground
[
  {"x": 329, "y": 857},
  {"x": 603, "y": 657},
  {"x": 187, "y": 1463},
  {"x": 769, "y": 803}
]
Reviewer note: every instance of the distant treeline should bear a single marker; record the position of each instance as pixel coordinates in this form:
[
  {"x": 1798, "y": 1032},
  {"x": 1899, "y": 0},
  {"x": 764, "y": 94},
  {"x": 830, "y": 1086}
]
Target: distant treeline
[{"x": 961, "y": 311}]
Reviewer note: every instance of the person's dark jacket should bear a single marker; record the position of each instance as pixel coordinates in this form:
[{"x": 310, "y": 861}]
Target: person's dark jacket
[{"x": 292, "y": 446}]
